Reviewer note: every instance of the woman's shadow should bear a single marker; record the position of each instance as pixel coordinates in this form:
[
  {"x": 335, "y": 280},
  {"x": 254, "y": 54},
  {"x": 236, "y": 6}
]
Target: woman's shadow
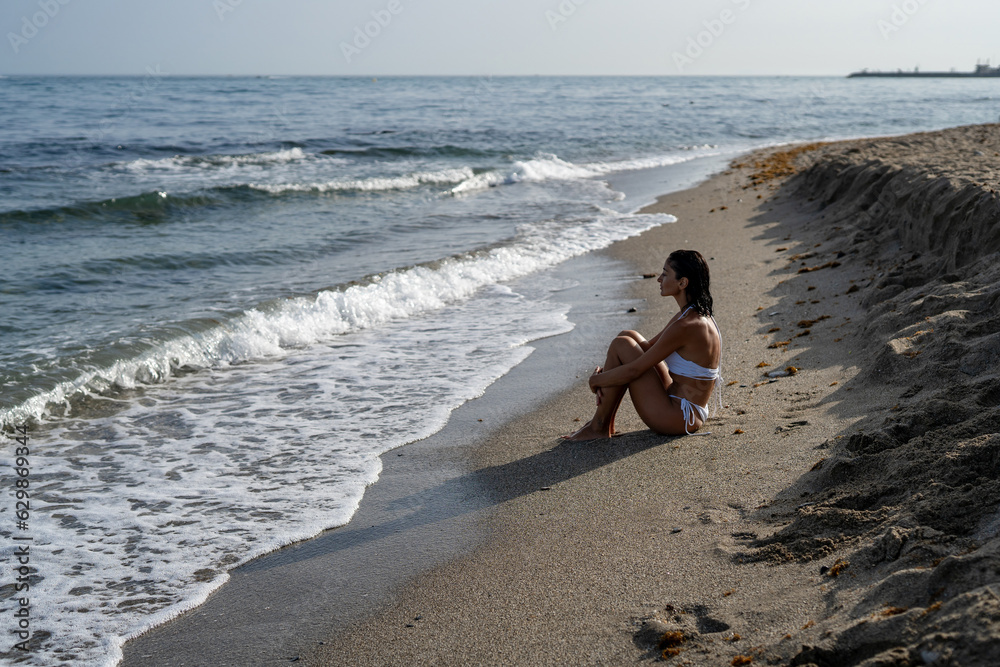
[{"x": 474, "y": 491}]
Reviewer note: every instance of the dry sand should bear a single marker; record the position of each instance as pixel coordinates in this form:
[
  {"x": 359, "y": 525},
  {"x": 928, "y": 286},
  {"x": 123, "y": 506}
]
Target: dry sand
[{"x": 842, "y": 515}]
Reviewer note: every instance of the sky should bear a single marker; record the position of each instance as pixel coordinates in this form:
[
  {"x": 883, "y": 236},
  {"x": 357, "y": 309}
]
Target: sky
[{"x": 494, "y": 37}]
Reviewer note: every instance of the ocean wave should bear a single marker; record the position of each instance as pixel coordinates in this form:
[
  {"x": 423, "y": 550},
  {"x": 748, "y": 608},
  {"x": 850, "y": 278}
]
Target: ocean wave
[
  {"x": 548, "y": 167},
  {"x": 157, "y": 205},
  {"x": 176, "y": 551},
  {"x": 273, "y": 328},
  {"x": 372, "y": 184},
  {"x": 544, "y": 167},
  {"x": 144, "y": 207},
  {"x": 177, "y": 162},
  {"x": 691, "y": 153},
  {"x": 447, "y": 151}
]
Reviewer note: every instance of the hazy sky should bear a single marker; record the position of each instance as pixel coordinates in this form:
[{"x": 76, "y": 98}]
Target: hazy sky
[{"x": 494, "y": 37}]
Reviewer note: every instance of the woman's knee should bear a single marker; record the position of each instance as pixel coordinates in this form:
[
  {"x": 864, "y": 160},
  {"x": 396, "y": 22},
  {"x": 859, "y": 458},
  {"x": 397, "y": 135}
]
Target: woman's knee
[
  {"x": 629, "y": 333},
  {"x": 625, "y": 340},
  {"x": 626, "y": 346}
]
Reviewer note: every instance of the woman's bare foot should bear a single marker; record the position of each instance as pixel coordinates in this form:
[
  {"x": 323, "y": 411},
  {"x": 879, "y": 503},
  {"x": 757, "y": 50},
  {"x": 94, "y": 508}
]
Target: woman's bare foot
[{"x": 590, "y": 432}]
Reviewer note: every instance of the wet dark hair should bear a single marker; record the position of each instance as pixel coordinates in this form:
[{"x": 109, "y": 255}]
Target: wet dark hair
[{"x": 691, "y": 265}]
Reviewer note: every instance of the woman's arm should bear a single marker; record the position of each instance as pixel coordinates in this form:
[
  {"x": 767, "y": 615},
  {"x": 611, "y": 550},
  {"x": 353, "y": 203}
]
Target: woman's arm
[
  {"x": 652, "y": 341},
  {"x": 662, "y": 344},
  {"x": 645, "y": 345}
]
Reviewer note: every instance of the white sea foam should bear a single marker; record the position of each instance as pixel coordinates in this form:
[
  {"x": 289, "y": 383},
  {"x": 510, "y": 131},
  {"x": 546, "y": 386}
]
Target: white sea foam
[
  {"x": 270, "y": 329},
  {"x": 548, "y": 167},
  {"x": 373, "y": 184},
  {"x": 139, "y": 516},
  {"x": 292, "y": 170},
  {"x": 654, "y": 161},
  {"x": 202, "y": 162},
  {"x": 543, "y": 167}
]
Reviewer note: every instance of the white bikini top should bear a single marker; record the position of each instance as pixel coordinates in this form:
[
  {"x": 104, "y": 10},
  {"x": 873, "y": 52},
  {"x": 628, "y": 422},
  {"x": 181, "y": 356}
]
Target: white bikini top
[{"x": 678, "y": 365}]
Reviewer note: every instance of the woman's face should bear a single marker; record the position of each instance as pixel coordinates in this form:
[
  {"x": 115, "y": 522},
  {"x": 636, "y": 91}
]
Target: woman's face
[{"x": 668, "y": 281}]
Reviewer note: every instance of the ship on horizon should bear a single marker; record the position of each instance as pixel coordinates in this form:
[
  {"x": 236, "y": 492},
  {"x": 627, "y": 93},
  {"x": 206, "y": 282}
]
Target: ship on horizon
[{"x": 982, "y": 70}]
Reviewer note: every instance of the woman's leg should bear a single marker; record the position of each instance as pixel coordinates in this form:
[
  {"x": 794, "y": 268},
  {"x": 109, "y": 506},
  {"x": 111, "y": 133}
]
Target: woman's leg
[
  {"x": 660, "y": 411},
  {"x": 638, "y": 337},
  {"x": 623, "y": 349},
  {"x": 649, "y": 392}
]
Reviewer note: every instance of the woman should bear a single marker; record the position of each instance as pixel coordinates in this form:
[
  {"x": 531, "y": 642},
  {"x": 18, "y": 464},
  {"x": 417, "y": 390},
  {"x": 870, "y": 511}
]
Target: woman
[{"x": 671, "y": 376}]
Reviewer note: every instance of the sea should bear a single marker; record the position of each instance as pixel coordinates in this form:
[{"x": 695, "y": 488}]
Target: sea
[{"x": 222, "y": 298}]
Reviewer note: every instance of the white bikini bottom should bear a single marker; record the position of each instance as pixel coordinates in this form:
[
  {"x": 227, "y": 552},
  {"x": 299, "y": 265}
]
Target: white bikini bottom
[{"x": 688, "y": 409}]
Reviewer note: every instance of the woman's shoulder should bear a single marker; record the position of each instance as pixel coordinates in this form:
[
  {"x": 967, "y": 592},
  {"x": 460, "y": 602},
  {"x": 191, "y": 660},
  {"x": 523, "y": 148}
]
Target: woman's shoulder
[
  {"x": 691, "y": 323},
  {"x": 694, "y": 321},
  {"x": 692, "y": 317}
]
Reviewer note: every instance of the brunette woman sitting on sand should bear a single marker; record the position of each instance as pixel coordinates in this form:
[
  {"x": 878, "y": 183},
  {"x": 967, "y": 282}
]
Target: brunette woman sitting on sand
[{"x": 671, "y": 376}]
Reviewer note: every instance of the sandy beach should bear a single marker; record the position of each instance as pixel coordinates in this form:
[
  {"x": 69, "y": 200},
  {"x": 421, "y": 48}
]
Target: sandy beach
[
  {"x": 843, "y": 512},
  {"x": 302, "y": 301}
]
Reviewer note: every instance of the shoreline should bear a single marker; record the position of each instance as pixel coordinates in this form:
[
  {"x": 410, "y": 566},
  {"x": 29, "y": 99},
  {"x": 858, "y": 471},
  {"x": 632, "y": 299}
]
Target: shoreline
[
  {"x": 769, "y": 538},
  {"x": 425, "y": 509},
  {"x": 435, "y": 468}
]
